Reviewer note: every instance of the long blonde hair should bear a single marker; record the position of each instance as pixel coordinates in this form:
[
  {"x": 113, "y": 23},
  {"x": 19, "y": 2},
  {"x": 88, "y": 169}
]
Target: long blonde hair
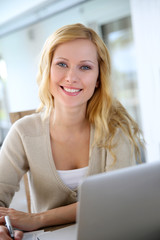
[{"x": 103, "y": 111}]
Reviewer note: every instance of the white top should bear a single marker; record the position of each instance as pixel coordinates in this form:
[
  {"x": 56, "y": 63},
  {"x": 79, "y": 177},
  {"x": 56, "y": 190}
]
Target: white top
[{"x": 72, "y": 178}]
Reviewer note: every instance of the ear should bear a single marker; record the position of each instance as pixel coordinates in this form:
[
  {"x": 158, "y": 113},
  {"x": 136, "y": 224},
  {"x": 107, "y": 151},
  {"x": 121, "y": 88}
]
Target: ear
[{"x": 97, "y": 83}]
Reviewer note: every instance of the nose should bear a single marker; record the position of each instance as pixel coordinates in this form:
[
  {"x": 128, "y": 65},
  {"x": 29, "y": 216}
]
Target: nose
[{"x": 71, "y": 76}]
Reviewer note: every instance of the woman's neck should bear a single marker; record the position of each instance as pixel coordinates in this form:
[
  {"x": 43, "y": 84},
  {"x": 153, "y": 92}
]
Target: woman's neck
[{"x": 72, "y": 119}]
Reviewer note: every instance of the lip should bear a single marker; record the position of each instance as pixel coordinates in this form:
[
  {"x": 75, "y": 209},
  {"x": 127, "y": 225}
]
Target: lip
[{"x": 71, "y": 91}]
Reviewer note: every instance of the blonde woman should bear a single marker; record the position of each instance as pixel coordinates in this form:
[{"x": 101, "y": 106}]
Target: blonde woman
[{"x": 79, "y": 130}]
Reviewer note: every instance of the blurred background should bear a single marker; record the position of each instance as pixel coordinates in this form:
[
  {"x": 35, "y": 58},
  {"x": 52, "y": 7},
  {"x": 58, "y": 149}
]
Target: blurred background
[{"x": 130, "y": 29}]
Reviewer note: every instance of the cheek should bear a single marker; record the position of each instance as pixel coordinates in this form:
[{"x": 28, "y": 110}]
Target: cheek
[
  {"x": 53, "y": 80},
  {"x": 93, "y": 81},
  {"x": 94, "y": 84},
  {"x": 91, "y": 86},
  {"x": 52, "y": 83},
  {"x": 56, "y": 76}
]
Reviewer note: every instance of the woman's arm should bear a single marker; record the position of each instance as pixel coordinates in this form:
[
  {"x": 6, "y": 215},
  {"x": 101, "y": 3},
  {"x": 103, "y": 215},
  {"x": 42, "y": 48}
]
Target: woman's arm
[
  {"x": 57, "y": 216},
  {"x": 13, "y": 165},
  {"x": 34, "y": 221}
]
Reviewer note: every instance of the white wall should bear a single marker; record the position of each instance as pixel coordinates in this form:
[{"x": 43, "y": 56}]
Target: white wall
[{"x": 146, "y": 20}]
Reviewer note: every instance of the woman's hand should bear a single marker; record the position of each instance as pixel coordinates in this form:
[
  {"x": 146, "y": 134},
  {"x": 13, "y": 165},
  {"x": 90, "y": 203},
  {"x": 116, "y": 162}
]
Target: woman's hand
[
  {"x": 20, "y": 220},
  {"x": 4, "y": 234}
]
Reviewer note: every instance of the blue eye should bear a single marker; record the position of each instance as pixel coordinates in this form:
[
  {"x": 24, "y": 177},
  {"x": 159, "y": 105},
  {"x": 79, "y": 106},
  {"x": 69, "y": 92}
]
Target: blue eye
[
  {"x": 85, "y": 67},
  {"x": 61, "y": 64}
]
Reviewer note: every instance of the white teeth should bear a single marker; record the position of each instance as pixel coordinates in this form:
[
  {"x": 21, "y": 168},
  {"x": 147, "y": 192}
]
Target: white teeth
[{"x": 71, "y": 90}]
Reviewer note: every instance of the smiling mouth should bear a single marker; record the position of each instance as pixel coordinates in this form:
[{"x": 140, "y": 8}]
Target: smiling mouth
[{"x": 71, "y": 90}]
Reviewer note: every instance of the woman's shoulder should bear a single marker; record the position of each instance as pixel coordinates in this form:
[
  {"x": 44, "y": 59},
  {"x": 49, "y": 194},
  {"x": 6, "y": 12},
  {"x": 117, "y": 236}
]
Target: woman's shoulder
[
  {"x": 120, "y": 136},
  {"x": 31, "y": 125}
]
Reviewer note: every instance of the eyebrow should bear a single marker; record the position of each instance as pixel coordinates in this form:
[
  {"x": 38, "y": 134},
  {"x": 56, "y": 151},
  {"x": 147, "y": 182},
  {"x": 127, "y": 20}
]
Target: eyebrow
[
  {"x": 87, "y": 61},
  {"x": 82, "y": 61},
  {"x": 61, "y": 58}
]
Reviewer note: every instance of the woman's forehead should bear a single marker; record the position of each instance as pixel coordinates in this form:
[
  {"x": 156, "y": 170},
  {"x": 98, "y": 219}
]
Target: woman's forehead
[{"x": 79, "y": 48}]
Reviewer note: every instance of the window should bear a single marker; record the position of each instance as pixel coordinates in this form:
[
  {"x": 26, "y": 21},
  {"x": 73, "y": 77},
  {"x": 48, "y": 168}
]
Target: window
[
  {"x": 4, "y": 118},
  {"x": 119, "y": 39}
]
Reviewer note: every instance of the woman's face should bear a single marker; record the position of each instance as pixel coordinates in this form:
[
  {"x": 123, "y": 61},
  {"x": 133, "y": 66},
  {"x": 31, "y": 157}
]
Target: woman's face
[{"x": 74, "y": 73}]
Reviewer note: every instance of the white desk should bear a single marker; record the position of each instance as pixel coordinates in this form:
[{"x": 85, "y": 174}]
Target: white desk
[{"x": 64, "y": 233}]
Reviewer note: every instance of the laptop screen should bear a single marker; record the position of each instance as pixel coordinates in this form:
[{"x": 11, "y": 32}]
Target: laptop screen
[{"x": 123, "y": 204}]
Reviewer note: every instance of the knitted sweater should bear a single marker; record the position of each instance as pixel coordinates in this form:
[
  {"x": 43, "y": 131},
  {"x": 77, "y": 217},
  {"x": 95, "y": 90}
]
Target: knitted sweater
[{"x": 27, "y": 148}]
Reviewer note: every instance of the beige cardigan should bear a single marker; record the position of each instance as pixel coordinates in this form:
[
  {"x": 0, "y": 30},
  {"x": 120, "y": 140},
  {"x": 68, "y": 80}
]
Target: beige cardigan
[{"x": 27, "y": 148}]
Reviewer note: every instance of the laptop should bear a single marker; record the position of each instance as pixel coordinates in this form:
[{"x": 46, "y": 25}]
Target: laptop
[{"x": 121, "y": 205}]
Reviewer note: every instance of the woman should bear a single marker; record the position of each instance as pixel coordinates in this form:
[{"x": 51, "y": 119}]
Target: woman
[{"x": 79, "y": 130}]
